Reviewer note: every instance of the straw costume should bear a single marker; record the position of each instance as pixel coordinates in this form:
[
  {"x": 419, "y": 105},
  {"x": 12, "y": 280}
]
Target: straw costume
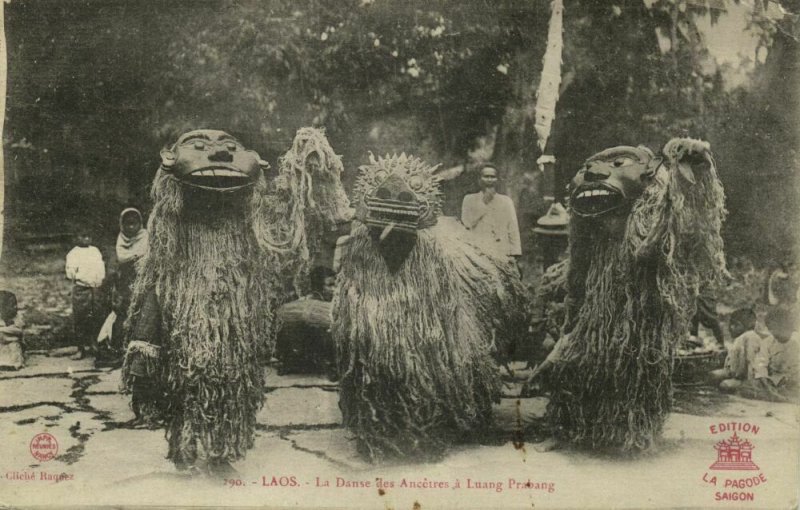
[
  {"x": 202, "y": 302},
  {"x": 419, "y": 313},
  {"x": 308, "y": 189},
  {"x": 645, "y": 232}
]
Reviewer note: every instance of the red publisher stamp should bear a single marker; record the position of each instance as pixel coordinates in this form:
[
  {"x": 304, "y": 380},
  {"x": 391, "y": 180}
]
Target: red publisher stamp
[
  {"x": 734, "y": 475},
  {"x": 44, "y": 447}
]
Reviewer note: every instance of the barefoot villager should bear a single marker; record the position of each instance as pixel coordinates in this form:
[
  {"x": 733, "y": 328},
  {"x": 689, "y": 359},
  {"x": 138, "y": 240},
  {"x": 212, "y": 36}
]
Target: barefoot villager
[
  {"x": 776, "y": 368},
  {"x": 201, "y": 306},
  {"x": 86, "y": 270},
  {"x": 645, "y": 233},
  {"x": 747, "y": 341},
  {"x": 132, "y": 244},
  {"x": 416, "y": 313}
]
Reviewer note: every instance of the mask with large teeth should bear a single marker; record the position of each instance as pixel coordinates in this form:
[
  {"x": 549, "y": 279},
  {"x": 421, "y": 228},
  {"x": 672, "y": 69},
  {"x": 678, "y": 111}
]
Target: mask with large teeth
[
  {"x": 396, "y": 197},
  {"x": 212, "y": 160},
  {"x": 610, "y": 181}
]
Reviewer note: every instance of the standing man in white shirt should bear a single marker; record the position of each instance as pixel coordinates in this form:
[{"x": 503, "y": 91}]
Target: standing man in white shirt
[
  {"x": 86, "y": 269},
  {"x": 491, "y": 216}
]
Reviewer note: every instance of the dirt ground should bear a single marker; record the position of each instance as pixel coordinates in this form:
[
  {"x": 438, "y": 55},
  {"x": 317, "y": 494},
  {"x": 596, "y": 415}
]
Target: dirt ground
[
  {"x": 103, "y": 459},
  {"x": 304, "y": 457}
]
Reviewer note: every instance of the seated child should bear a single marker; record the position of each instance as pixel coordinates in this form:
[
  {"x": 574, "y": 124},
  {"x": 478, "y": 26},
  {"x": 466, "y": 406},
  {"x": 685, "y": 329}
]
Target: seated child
[
  {"x": 747, "y": 341},
  {"x": 775, "y": 371},
  {"x": 11, "y": 357}
]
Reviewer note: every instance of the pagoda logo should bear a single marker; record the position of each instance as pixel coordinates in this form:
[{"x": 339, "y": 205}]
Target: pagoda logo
[{"x": 734, "y": 454}]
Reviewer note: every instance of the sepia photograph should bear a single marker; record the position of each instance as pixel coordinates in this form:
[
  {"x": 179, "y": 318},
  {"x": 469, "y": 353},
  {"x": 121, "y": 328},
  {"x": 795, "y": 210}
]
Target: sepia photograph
[{"x": 400, "y": 254}]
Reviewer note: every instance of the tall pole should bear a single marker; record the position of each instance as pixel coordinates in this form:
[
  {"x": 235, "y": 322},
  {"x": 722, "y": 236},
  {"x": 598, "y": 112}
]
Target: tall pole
[
  {"x": 552, "y": 227},
  {"x": 549, "y": 83},
  {"x": 3, "y": 79}
]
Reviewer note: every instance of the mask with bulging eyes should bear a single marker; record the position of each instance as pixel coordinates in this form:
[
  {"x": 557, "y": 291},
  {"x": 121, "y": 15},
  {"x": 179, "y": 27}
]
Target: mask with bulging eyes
[
  {"x": 611, "y": 180},
  {"x": 397, "y": 196},
  {"x": 212, "y": 160}
]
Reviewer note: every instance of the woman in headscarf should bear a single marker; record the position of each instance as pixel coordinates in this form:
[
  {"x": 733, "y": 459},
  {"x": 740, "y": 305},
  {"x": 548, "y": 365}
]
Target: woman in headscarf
[
  {"x": 132, "y": 240},
  {"x": 132, "y": 244}
]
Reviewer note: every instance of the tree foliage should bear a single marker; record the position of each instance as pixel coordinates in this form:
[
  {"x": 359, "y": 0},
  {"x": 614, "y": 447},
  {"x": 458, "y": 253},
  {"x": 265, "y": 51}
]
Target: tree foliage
[{"x": 101, "y": 85}]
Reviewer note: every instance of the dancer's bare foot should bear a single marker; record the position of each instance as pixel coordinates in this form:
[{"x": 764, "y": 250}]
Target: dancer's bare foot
[
  {"x": 196, "y": 471},
  {"x": 547, "y": 445},
  {"x": 221, "y": 469}
]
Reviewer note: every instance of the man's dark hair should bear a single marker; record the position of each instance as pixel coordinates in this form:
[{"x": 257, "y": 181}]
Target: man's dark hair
[
  {"x": 317, "y": 277},
  {"x": 85, "y": 230},
  {"x": 8, "y": 305},
  {"x": 744, "y": 316},
  {"x": 488, "y": 164}
]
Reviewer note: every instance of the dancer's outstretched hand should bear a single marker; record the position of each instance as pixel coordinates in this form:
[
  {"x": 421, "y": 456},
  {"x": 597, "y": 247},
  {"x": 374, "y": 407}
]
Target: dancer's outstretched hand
[{"x": 529, "y": 388}]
